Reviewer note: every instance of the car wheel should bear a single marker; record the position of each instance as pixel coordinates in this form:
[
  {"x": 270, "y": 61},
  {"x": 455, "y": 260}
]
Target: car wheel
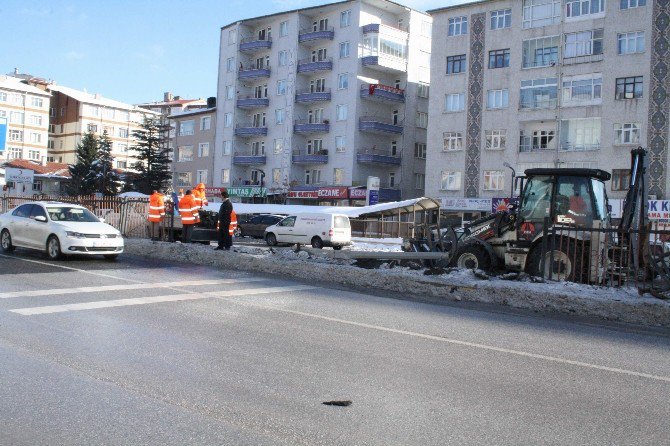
[
  {"x": 317, "y": 243},
  {"x": 6, "y": 241},
  {"x": 271, "y": 239},
  {"x": 337, "y": 247},
  {"x": 110, "y": 256},
  {"x": 53, "y": 248}
]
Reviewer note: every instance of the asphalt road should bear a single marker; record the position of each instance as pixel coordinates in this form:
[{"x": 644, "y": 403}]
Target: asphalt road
[{"x": 135, "y": 352}]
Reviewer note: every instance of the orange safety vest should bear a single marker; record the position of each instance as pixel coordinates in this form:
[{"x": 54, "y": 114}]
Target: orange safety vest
[
  {"x": 233, "y": 223},
  {"x": 199, "y": 196},
  {"x": 156, "y": 208},
  {"x": 188, "y": 210}
]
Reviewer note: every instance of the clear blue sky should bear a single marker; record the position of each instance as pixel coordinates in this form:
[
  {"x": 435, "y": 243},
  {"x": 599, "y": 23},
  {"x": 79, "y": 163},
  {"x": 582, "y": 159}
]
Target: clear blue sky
[{"x": 131, "y": 51}]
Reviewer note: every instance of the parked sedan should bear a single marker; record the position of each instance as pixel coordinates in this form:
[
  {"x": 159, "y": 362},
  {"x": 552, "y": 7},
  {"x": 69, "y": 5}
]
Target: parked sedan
[
  {"x": 58, "y": 229},
  {"x": 256, "y": 226}
]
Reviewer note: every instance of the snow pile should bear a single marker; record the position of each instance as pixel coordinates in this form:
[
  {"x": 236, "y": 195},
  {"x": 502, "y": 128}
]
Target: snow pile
[{"x": 622, "y": 304}]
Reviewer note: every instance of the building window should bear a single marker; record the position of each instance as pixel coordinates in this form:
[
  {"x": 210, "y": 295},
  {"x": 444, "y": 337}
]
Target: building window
[
  {"x": 620, "y": 179},
  {"x": 37, "y": 185},
  {"x": 630, "y": 43},
  {"x": 499, "y": 58},
  {"x": 205, "y": 123},
  {"x": 92, "y": 128},
  {"x": 185, "y": 153},
  {"x": 341, "y": 113},
  {"x": 629, "y": 4},
  {"x": 344, "y": 50},
  {"x": 497, "y": 98},
  {"x": 419, "y": 181},
  {"x": 450, "y": 180},
  {"x": 536, "y": 140},
  {"x": 279, "y": 116},
  {"x": 281, "y": 87},
  {"x": 345, "y": 18},
  {"x": 343, "y": 81},
  {"x": 227, "y": 119},
  {"x": 627, "y": 133},
  {"x": 456, "y": 64},
  {"x": 628, "y": 87},
  {"x": 186, "y": 127},
  {"x": 338, "y": 176},
  {"x": 17, "y": 99},
  {"x": 202, "y": 176},
  {"x": 539, "y": 93},
  {"x": 452, "y": 141},
  {"x": 421, "y": 120},
  {"x": 541, "y": 52},
  {"x": 36, "y": 102},
  {"x": 278, "y": 146},
  {"x": 123, "y": 148},
  {"x": 283, "y": 57},
  {"x": 184, "y": 179},
  {"x": 230, "y": 92},
  {"x": 458, "y": 26},
  {"x": 15, "y": 135},
  {"x": 495, "y": 139},
  {"x": 230, "y": 64},
  {"x": 583, "y": 43},
  {"x": 35, "y": 138},
  {"x": 494, "y": 180},
  {"x": 15, "y": 153},
  {"x": 16, "y": 117},
  {"x": 454, "y": 102},
  {"x": 62, "y": 112},
  {"x": 52, "y": 127},
  {"x": 580, "y": 134},
  {"x": 227, "y": 147},
  {"x": 501, "y": 18},
  {"x": 276, "y": 176},
  {"x": 538, "y": 13},
  {"x": 34, "y": 155},
  {"x": 124, "y": 165},
  {"x": 420, "y": 150},
  {"x": 426, "y": 28},
  {"x": 581, "y": 8},
  {"x": 232, "y": 37},
  {"x": 225, "y": 176},
  {"x": 35, "y": 120},
  {"x": 203, "y": 149},
  {"x": 283, "y": 29},
  {"x": 582, "y": 90},
  {"x": 312, "y": 176},
  {"x": 123, "y": 132},
  {"x": 391, "y": 179},
  {"x": 340, "y": 144},
  {"x": 258, "y": 148},
  {"x": 422, "y": 90},
  {"x": 3, "y": 96}
]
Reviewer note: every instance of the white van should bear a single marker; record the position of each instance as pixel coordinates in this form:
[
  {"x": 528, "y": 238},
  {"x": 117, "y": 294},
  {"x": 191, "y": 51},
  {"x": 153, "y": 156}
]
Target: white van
[{"x": 318, "y": 230}]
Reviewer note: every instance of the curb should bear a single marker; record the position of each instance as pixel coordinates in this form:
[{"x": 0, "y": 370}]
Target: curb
[{"x": 561, "y": 297}]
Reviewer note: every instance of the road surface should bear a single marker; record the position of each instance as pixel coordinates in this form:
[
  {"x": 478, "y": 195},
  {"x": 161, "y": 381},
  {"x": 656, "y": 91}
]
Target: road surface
[{"x": 141, "y": 352}]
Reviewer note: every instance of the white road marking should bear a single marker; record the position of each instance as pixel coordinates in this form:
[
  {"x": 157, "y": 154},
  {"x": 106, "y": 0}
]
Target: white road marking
[
  {"x": 31, "y": 311},
  {"x": 463, "y": 343},
  {"x": 134, "y": 286}
]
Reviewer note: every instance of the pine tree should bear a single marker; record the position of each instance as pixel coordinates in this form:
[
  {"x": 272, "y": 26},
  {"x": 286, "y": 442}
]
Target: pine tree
[
  {"x": 153, "y": 165},
  {"x": 107, "y": 180},
  {"x": 83, "y": 182}
]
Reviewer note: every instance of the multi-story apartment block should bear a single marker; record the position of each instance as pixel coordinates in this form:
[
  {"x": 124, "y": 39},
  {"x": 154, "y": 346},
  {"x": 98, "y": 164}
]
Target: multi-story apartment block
[
  {"x": 192, "y": 138},
  {"x": 26, "y": 109},
  {"x": 544, "y": 83},
  {"x": 74, "y": 113},
  {"x": 312, "y": 102}
]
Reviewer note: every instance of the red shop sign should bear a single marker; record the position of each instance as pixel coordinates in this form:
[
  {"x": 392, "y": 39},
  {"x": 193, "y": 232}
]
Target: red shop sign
[
  {"x": 303, "y": 194},
  {"x": 334, "y": 192}
]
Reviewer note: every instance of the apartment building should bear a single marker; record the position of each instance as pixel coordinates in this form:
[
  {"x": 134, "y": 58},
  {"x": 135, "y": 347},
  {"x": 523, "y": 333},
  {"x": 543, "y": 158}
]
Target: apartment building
[
  {"x": 74, "y": 113},
  {"x": 172, "y": 104},
  {"x": 312, "y": 102},
  {"x": 192, "y": 138},
  {"x": 26, "y": 111},
  {"x": 544, "y": 83}
]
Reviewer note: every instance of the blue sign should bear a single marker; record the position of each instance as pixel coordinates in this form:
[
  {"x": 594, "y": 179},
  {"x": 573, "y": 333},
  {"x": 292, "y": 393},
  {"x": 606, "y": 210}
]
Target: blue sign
[
  {"x": 3, "y": 134},
  {"x": 374, "y": 197}
]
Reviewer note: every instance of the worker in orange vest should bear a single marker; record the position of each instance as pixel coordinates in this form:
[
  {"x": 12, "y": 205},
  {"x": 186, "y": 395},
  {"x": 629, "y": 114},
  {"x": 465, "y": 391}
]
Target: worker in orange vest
[
  {"x": 187, "y": 211},
  {"x": 226, "y": 213},
  {"x": 199, "y": 195},
  {"x": 233, "y": 226},
  {"x": 156, "y": 213}
]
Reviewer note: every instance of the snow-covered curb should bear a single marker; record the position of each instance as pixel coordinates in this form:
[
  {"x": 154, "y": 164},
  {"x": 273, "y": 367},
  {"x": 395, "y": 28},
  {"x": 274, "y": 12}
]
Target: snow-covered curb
[{"x": 623, "y": 305}]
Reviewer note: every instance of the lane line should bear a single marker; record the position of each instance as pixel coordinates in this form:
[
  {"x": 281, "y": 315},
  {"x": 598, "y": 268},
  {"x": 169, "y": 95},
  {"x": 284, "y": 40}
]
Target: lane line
[
  {"x": 31, "y": 311},
  {"x": 462, "y": 343},
  {"x": 134, "y": 286}
]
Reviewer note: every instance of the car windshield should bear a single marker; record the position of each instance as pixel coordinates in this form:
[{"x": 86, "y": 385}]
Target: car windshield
[{"x": 70, "y": 213}]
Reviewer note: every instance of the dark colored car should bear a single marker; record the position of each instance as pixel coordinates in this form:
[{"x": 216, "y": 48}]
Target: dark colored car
[{"x": 255, "y": 227}]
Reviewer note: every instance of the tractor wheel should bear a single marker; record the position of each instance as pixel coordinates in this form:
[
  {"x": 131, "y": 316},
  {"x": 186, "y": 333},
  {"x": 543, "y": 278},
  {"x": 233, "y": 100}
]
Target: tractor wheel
[
  {"x": 567, "y": 262},
  {"x": 472, "y": 256}
]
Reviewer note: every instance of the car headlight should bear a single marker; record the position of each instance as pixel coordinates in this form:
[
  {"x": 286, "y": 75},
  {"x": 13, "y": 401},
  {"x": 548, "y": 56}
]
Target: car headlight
[{"x": 73, "y": 234}]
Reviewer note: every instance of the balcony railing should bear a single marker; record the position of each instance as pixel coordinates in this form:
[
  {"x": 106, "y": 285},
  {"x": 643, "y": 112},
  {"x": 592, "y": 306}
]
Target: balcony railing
[
  {"x": 378, "y": 156},
  {"x": 587, "y": 58},
  {"x": 253, "y": 73},
  {"x": 249, "y": 130},
  {"x": 538, "y": 104},
  {"x": 307, "y": 126},
  {"x": 382, "y": 92},
  {"x": 253, "y": 44},
  {"x": 250, "y": 102},
  {"x": 572, "y": 147},
  {"x": 309, "y": 157},
  {"x": 385, "y": 63},
  {"x": 309, "y": 35},
  {"x": 309, "y": 96},
  {"x": 377, "y": 125},
  {"x": 537, "y": 63},
  {"x": 375, "y": 27},
  {"x": 249, "y": 158},
  {"x": 310, "y": 66}
]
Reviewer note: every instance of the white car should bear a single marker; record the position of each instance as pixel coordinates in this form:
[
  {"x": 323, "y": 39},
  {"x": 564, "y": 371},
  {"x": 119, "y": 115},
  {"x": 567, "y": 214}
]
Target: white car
[{"x": 58, "y": 229}]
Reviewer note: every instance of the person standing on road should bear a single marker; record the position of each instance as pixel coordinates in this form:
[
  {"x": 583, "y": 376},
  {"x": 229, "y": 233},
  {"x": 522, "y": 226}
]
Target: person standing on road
[
  {"x": 156, "y": 213},
  {"x": 187, "y": 211},
  {"x": 225, "y": 241}
]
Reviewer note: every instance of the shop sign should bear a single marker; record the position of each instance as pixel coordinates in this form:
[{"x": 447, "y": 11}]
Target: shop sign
[
  {"x": 311, "y": 194},
  {"x": 357, "y": 194},
  {"x": 467, "y": 204},
  {"x": 336, "y": 193},
  {"x": 247, "y": 191}
]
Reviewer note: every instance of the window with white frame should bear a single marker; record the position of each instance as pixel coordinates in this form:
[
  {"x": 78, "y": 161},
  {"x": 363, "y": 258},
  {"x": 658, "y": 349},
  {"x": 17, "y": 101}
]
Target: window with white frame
[
  {"x": 458, "y": 26},
  {"x": 205, "y": 123},
  {"x": 15, "y": 153},
  {"x": 15, "y": 135},
  {"x": 37, "y": 184},
  {"x": 494, "y": 180},
  {"x": 36, "y": 102},
  {"x": 340, "y": 144},
  {"x": 502, "y": 18},
  {"x": 276, "y": 176},
  {"x": 281, "y": 87},
  {"x": 34, "y": 155},
  {"x": 17, "y": 99},
  {"x": 315, "y": 116},
  {"x": 538, "y": 13},
  {"x": 391, "y": 178},
  {"x": 497, "y": 98},
  {"x": 184, "y": 179},
  {"x": 314, "y": 146},
  {"x": 227, "y": 148},
  {"x": 620, "y": 179},
  {"x": 52, "y": 127},
  {"x": 452, "y": 141},
  {"x": 343, "y": 81},
  {"x": 345, "y": 18},
  {"x": 422, "y": 90},
  {"x": 202, "y": 176},
  {"x": 258, "y": 148},
  {"x": 629, "y": 4},
  {"x": 203, "y": 149},
  {"x": 585, "y": 89},
  {"x": 230, "y": 64},
  {"x": 421, "y": 120},
  {"x": 123, "y": 132},
  {"x": 540, "y": 52},
  {"x": 278, "y": 146},
  {"x": 535, "y": 140},
  {"x": 495, "y": 139},
  {"x": 184, "y": 153},
  {"x": 583, "y": 43},
  {"x": 230, "y": 92},
  {"x": 627, "y": 133},
  {"x": 419, "y": 181},
  {"x": 227, "y": 119},
  {"x": 338, "y": 176},
  {"x": 344, "y": 50},
  {"x": 123, "y": 148},
  {"x": 3, "y": 96},
  {"x": 282, "y": 58},
  {"x": 225, "y": 176},
  {"x": 420, "y": 150},
  {"x": 539, "y": 93},
  {"x": 283, "y": 29},
  {"x": 261, "y": 91},
  {"x": 35, "y": 120},
  {"x": 341, "y": 112},
  {"x": 450, "y": 180},
  {"x": 232, "y": 37},
  {"x": 580, "y": 134},
  {"x": 92, "y": 128},
  {"x": 16, "y": 117},
  {"x": 426, "y": 28},
  {"x": 279, "y": 116},
  {"x": 313, "y": 176},
  {"x": 35, "y": 138},
  {"x": 584, "y": 8},
  {"x": 630, "y": 43},
  {"x": 454, "y": 102},
  {"x": 124, "y": 165}
]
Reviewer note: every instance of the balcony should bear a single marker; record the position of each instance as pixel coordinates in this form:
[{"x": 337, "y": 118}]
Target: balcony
[
  {"x": 252, "y": 45},
  {"x": 250, "y": 131},
  {"x": 253, "y": 73},
  {"x": 248, "y": 159},
  {"x": 567, "y": 146},
  {"x": 535, "y": 103},
  {"x": 253, "y": 102},
  {"x": 385, "y": 64},
  {"x": 373, "y": 28},
  {"x": 310, "y": 97},
  {"x": 308, "y": 157},
  {"x": 312, "y": 66},
  {"x": 311, "y": 36},
  {"x": 378, "y": 156},
  {"x": 302, "y": 126},
  {"x": 379, "y": 126},
  {"x": 382, "y": 93}
]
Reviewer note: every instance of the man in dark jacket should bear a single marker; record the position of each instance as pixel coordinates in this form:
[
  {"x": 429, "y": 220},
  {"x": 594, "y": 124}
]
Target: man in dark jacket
[{"x": 225, "y": 241}]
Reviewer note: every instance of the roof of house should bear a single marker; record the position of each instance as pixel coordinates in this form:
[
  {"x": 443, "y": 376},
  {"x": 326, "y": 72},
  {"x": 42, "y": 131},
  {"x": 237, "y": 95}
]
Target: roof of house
[
  {"x": 16, "y": 84},
  {"x": 197, "y": 111},
  {"x": 94, "y": 99},
  {"x": 59, "y": 170},
  {"x": 456, "y": 6}
]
